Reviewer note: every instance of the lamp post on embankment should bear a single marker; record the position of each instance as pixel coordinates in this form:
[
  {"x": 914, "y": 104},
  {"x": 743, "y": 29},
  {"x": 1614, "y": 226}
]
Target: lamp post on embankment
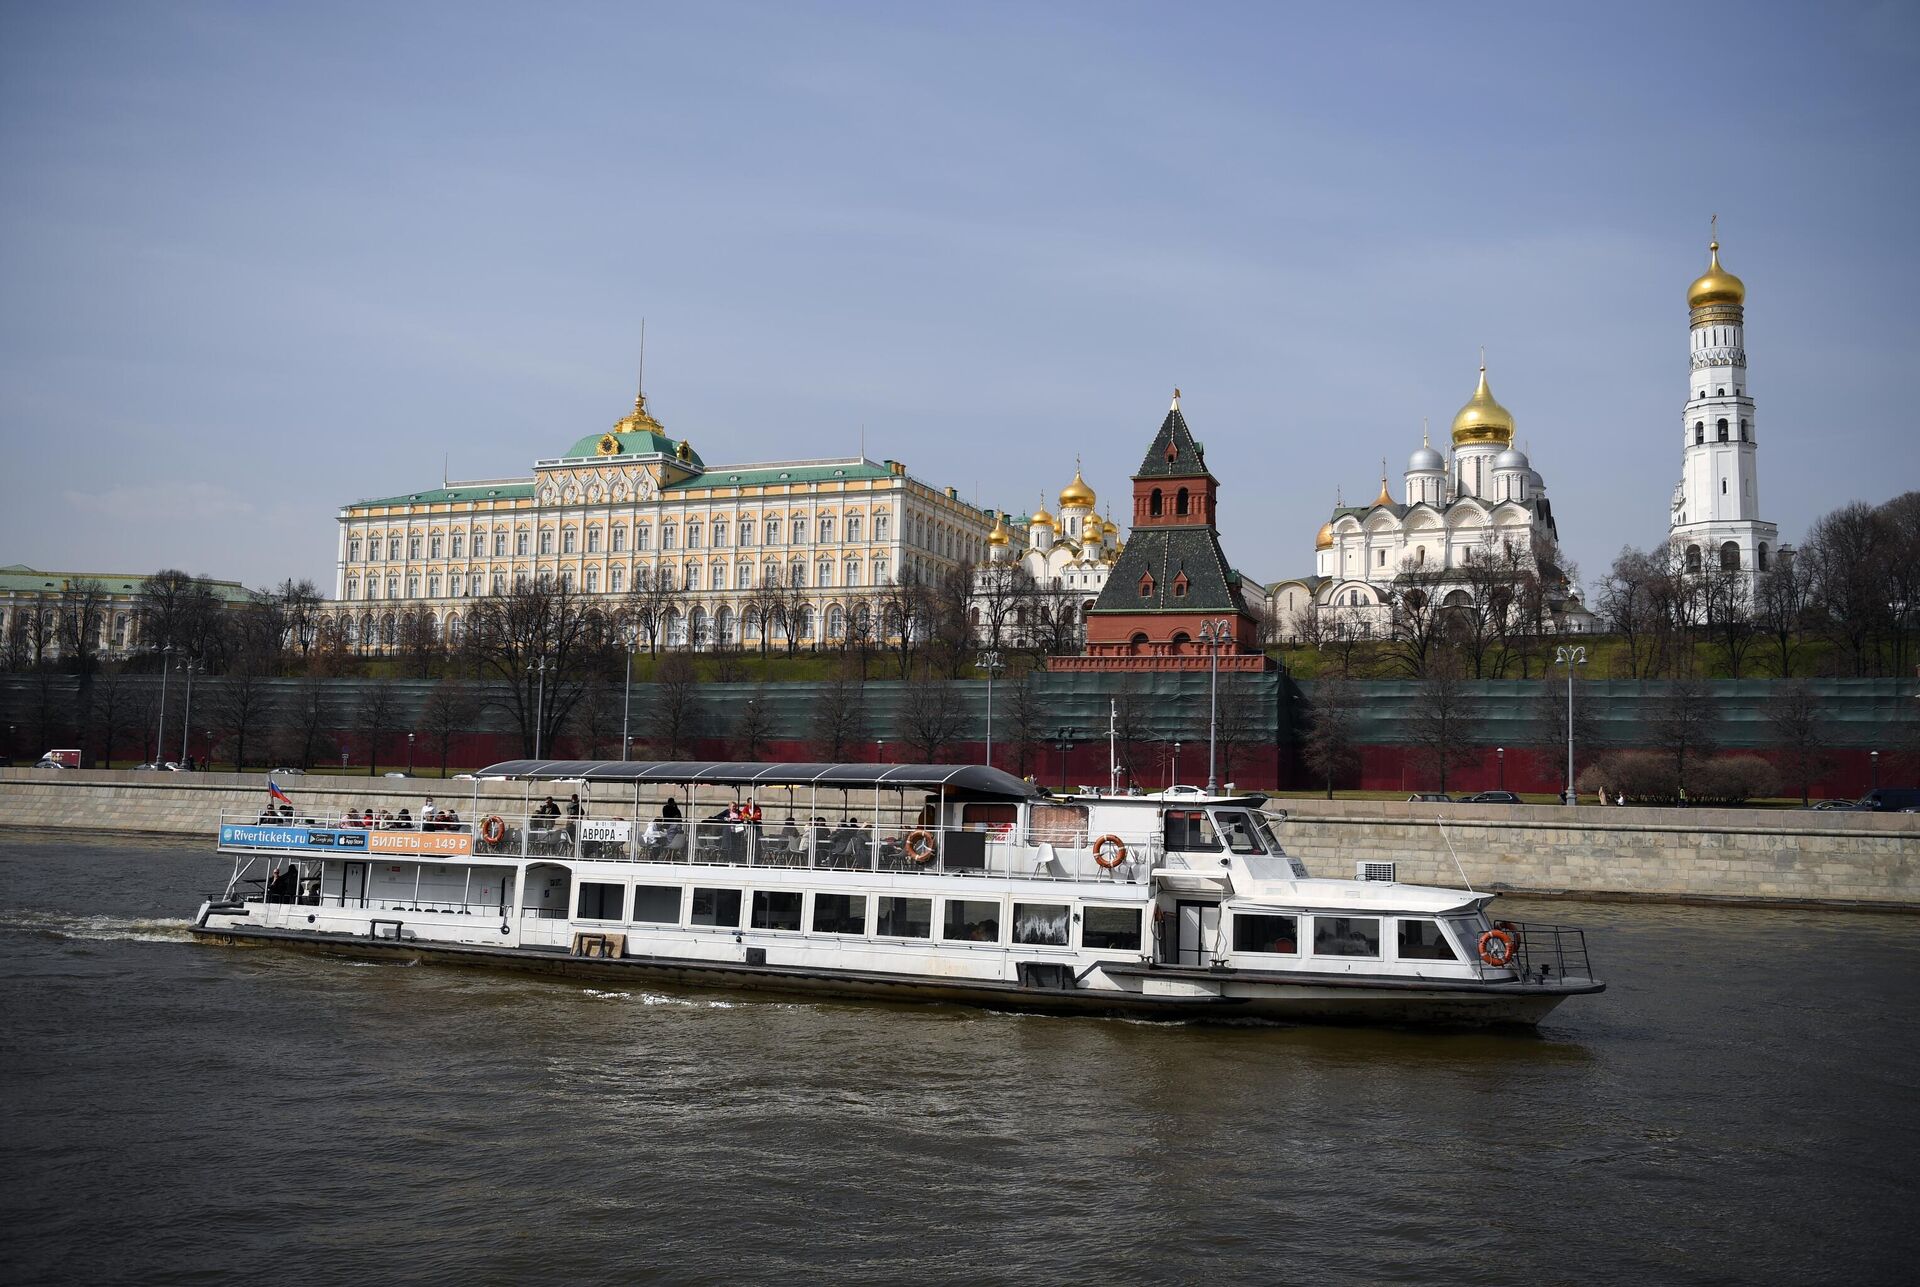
[
  {"x": 1576, "y": 655},
  {"x": 1215, "y": 635},
  {"x": 186, "y": 718},
  {"x": 160, "y": 732},
  {"x": 990, "y": 662},
  {"x": 539, "y": 668},
  {"x": 632, "y": 639}
]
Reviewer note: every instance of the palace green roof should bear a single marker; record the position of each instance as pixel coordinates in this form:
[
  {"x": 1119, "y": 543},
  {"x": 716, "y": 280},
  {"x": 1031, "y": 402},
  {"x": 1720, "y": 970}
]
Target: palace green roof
[
  {"x": 436, "y": 495},
  {"x": 777, "y": 475},
  {"x": 18, "y": 578}
]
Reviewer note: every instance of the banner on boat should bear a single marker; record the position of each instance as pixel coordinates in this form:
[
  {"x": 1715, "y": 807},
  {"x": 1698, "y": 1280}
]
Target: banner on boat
[
  {"x": 448, "y": 843},
  {"x": 604, "y": 829},
  {"x": 267, "y": 836}
]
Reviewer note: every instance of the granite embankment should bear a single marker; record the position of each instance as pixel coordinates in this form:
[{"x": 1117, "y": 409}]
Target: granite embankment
[{"x": 1786, "y": 856}]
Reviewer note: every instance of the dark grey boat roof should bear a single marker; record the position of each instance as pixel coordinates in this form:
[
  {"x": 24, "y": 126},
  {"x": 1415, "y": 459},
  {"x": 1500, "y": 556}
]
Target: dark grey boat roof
[{"x": 974, "y": 781}]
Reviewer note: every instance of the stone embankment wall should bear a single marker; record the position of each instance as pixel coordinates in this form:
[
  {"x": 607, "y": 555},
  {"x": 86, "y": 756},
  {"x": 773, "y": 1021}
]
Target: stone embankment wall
[
  {"x": 1657, "y": 854},
  {"x": 1790, "y": 856}
]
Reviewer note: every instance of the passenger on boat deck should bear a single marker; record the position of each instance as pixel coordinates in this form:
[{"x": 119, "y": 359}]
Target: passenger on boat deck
[
  {"x": 285, "y": 885},
  {"x": 428, "y": 813},
  {"x": 670, "y": 811},
  {"x": 404, "y": 822}
]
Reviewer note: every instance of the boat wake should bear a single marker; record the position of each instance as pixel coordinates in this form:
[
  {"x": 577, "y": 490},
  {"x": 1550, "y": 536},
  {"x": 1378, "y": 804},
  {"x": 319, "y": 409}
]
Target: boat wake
[
  {"x": 96, "y": 929},
  {"x": 655, "y": 998}
]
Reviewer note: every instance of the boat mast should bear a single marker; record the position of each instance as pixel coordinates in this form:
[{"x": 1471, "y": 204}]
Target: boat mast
[{"x": 1113, "y": 746}]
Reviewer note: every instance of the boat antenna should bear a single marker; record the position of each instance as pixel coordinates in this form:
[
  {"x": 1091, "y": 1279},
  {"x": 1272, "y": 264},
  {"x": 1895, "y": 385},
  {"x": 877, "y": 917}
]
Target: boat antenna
[{"x": 1456, "y": 857}]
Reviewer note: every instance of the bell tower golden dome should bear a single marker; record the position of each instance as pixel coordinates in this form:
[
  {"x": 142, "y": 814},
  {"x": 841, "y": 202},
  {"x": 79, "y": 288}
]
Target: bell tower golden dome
[
  {"x": 1716, "y": 286},
  {"x": 1483, "y": 420}
]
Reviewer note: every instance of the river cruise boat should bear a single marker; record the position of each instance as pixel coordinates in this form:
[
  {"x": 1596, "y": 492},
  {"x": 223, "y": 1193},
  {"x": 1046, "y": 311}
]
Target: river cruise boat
[{"x": 925, "y": 882}]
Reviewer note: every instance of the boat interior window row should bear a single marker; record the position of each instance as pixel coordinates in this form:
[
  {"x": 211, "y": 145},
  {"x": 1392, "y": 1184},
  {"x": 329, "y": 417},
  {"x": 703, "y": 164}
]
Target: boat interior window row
[
  {"x": 1418, "y": 938},
  {"x": 962, "y": 920}
]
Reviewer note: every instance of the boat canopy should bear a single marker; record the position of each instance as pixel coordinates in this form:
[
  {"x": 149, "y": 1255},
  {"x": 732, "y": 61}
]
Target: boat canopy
[{"x": 960, "y": 781}]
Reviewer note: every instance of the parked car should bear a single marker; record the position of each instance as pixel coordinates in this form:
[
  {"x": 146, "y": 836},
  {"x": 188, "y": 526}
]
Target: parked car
[
  {"x": 1492, "y": 797},
  {"x": 167, "y": 766},
  {"x": 396, "y": 775},
  {"x": 1830, "y": 804},
  {"x": 1889, "y": 800},
  {"x": 48, "y": 764},
  {"x": 289, "y": 773},
  {"x": 1429, "y": 797},
  {"x": 463, "y": 777}
]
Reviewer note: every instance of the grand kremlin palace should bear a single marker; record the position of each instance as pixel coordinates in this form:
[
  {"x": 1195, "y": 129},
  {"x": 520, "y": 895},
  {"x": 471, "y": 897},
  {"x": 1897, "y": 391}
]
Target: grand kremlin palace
[{"x": 634, "y": 506}]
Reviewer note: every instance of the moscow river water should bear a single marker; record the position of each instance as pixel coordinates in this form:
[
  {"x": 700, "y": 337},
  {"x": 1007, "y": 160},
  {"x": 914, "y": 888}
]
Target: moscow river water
[{"x": 1742, "y": 1105}]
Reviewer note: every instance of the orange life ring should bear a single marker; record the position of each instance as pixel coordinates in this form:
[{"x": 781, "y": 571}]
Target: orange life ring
[
  {"x": 493, "y": 829},
  {"x": 920, "y": 845},
  {"x": 1109, "y": 844},
  {"x": 1504, "y": 956}
]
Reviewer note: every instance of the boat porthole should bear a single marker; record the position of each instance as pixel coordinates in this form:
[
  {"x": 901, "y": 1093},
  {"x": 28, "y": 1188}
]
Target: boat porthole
[
  {"x": 309, "y": 918},
  {"x": 505, "y": 930}
]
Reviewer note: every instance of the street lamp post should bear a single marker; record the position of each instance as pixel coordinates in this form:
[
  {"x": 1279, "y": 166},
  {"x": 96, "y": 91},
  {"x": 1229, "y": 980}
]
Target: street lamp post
[
  {"x": 990, "y": 662},
  {"x": 632, "y": 639},
  {"x": 1176, "y": 763},
  {"x": 1576, "y": 655},
  {"x": 160, "y": 732},
  {"x": 409, "y": 755},
  {"x": 539, "y": 668},
  {"x": 1873, "y": 759},
  {"x": 1215, "y": 634},
  {"x": 1063, "y": 743},
  {"x": 880, "y": 756},
  {"x": 186, "y": 716},
  {"x": 1500, "y": 753}
]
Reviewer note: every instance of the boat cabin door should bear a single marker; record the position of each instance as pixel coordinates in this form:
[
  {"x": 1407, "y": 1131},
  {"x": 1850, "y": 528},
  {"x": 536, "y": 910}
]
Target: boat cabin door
[
  {"x": 353, "y": 884},
  {"x": 1196, "y": 929}
]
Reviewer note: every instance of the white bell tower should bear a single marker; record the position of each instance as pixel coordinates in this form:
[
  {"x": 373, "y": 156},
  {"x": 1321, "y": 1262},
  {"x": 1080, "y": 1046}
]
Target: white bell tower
[{"x": 1716, "y": 508}]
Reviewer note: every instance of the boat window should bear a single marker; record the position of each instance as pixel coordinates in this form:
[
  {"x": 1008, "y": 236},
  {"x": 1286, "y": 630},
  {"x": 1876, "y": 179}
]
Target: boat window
[
  {"x": 904, "y": 917},
  {"x": 1346, "y": 936},
  {"x": 656, "y": 904},
  {"x": 1190, "y": 829},
  {"x": 715, "y": 907},
  {"x": 776, "y": 909},
  {"x": 1267, "y": 838},
  {"x": 1237, "y": 828},
  {"x": 1262, "y": 933},
  {"x": 1467, "y": 930},
  {"x": 600, "y": 902},
  {"x": 1111, "y": 927},
  {"x": 971, "y": 921},
  {"x": 1044, "y": 923},
  {"x": 988, "y": 817},
  {"x": 1058, "y": 824},
  {"x": 839, "y": 913},
  {"x": 1423, "y": 941}
]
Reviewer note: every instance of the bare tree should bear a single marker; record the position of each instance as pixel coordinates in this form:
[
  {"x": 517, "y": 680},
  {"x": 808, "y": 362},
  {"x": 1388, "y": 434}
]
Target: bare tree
[
  {"x": 543, "y": 644},
  {"x": 1799, "y": 732},
  {"x": 1026, "y": 725},
  {"x": 1900, "y": 523},
  {"x": 1847, "y": 552},
  {"x": 1328, "y": 746},
  {"x": 677, "y": 715},
  {"x": 931, "y": 718},
  {"x": 300, "y": 604},
  {"x": 1442, "y": 723},
  {"x": 1726, "y": 614},
  {"x": 1415, "y": 621},
  {"x": 448, "y": 711},
  {"x": 16, "y": 649},
  {"x": 839, "y": 715},
  {"x": 650, "y": 601},
  {"x": 753, "y": 728},
  {"x": 1684, "y": 722},
  {"x": 376, "y": 714},
  {"x": 308, "y": 716},
  {"x": 950, "y": 620},
  {"x": 1331, "y": 632},
  {"x": 1132, "y": 715},
  {"x": 903, "y": 619},
  {"x": 1783, "y": 598},
  {"x": 83, "y": 610},
  {"x": 419, "y": 644},
  {"x": 1003, "y": 590},
  {"x": 1630, "y": 605},
  {"x": 242, "y": 709},
  {"x": 1237, "y": 730}
]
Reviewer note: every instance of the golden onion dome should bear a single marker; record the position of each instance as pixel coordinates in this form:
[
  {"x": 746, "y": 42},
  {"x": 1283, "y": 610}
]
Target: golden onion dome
[
  {"x": 1038, "y": 517},
  {"x": 1716, "y": 285},
  {"x": 1324, "y": 540},
  {"x": 1483, "y": 419},
  {"x": 999, "y": 535},
  {"x": 1076, "y": 494}
]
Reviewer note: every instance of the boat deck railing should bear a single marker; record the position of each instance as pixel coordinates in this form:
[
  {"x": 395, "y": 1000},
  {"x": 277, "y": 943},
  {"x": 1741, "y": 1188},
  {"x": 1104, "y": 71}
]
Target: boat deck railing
[
  {"x": 1546, "y": 953},
  {"x": 978, "y": 850}
]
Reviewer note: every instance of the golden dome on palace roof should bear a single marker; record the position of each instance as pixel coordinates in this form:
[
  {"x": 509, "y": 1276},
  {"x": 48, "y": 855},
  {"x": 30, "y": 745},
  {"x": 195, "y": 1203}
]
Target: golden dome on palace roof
[
  {"x": 1324, "y": 539},
  {"x": 1483, "y": 420},
  {"x": 1716, "y": 285},
  {"x": 1076, "y": 494},
  {"x": 999, "y": 535}
]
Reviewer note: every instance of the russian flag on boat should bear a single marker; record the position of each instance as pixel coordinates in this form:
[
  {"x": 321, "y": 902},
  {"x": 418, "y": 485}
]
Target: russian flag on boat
[{"x": 274, "y": 792}]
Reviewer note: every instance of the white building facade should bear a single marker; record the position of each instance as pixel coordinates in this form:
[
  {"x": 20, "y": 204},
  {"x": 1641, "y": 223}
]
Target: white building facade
[
  {"x": 1716, "y": 505},
  {"x": 1065, "y": 561},
  {"x": 632, "y": 506},
  {"x": 1487, "y": 497}
]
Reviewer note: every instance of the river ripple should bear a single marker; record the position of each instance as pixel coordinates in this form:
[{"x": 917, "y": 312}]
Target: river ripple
[{"x": 1740, "y": 1106}]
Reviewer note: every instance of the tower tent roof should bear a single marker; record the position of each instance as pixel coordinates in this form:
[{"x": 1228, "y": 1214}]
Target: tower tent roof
[{"x": 1174, "y": 453}]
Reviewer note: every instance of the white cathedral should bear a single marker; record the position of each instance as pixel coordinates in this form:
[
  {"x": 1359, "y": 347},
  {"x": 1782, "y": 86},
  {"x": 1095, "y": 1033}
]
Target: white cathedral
[{"x": 1488, "y": 495}]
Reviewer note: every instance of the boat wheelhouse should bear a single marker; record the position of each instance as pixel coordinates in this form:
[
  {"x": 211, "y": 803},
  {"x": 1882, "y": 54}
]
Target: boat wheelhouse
[{"x": 930, "y": 882}]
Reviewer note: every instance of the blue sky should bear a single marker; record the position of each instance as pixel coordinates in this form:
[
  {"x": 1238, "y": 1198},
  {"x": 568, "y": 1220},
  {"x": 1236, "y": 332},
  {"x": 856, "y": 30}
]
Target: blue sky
[{"x": 257, "y": 261}]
